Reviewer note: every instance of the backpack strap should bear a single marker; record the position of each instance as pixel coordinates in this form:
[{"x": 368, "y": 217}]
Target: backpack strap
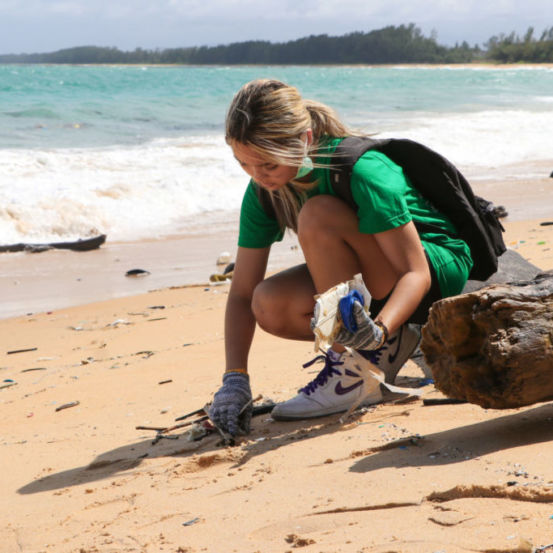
[{"x": 345, "y": 156}]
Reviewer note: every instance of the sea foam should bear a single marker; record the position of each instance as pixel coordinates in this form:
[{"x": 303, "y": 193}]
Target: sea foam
[{"x": 127, "y": 193}]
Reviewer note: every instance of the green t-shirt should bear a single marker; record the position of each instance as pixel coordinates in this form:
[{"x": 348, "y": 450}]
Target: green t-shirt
[{"x": 386, "y": 199}]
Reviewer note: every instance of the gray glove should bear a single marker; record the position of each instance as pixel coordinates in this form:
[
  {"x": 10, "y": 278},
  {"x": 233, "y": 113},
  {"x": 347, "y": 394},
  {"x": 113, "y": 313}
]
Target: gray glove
[
  {"x": 362, "y": 332},
  {"x": 231, "y": 409}
]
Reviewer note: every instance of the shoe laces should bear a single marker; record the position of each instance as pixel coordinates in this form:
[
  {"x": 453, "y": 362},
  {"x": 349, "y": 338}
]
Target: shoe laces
[
  {"x": 374, "y": 355},
  {"x": 326, "y": 372}
]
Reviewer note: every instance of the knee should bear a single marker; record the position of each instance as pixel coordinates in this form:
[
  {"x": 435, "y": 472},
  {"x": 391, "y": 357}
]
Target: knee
[
  {"x": 316, "y": 216},
  {"x": 267, "y": 308}
]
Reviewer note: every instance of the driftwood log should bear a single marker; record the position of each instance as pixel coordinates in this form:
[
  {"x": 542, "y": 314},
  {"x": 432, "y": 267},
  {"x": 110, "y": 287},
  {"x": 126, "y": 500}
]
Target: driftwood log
[
  {"x": 494, "y": 346},
  {"x": 81, "y": 245}
]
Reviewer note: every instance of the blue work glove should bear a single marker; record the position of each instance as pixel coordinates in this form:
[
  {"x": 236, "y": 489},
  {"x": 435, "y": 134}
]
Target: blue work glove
[
  {"x": 231, "y": 409},
  {"x": 359, "y": 331}
]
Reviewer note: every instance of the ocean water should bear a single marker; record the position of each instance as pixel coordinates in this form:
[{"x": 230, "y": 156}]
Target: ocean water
[{"x": 138, "y": 152}]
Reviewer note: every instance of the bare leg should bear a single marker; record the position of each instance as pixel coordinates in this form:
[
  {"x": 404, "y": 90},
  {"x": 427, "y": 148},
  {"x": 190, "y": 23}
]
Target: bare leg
[
  {"x": 283, "y": 304},
  {"x": 335, "y": 250}
]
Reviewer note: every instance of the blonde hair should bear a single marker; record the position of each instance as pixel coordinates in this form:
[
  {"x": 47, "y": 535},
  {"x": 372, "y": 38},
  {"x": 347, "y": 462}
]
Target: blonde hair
[{"x": 272, "y": 118}]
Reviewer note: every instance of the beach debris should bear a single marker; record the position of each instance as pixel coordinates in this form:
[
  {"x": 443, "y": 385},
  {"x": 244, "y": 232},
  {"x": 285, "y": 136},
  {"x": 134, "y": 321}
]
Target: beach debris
[
  {"x": 165, "y": 381},
  {"x": 492, "y": 347},
  {"x": 191, "y": 522},
  {"x": 146, "y": 354},
  {"x": 157, "y": 319},
  {"x": 199, "y": 431},
  {"x": 118, "y": 322},
  {"x": 546, "y": 223},
  {"x": 327, "y": 313},
  {"x": 297, "y": 541},
  {"x": 202, "y": 426},
  {"x": 220, "y": 277},
  {"x": 81, "y": 245},
  {"x": 68, "y": 405},
  {"x": 8, "y": 383},
  {"x": 156, "y": 307},
  {"x": 134, "y": 273},
  {"x": 14, "y": 351},
  {"x": 543, "y": 548},
  {"x": 228, "y": 269},
  {"x": 33, "y": 369},
  {"x": 160, "y": 436},
  {"x": 227, "y": 273},
  {"x": 224, "y": 258},
  {"x": 191, "y": 414},
  {"x": 443, "y": 401}
]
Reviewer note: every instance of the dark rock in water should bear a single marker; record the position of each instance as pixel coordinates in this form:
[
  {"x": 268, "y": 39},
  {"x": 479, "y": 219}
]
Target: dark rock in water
[
  {"x": 137, "y": 273},
  {"x": 512, "y": 267}
]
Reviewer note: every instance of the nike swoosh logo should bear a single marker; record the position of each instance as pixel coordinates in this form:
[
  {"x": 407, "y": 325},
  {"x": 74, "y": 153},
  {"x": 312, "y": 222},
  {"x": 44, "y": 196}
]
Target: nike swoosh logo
[
  {"x": 393, "y": 356},
  {"x": 340, "y": 390}
]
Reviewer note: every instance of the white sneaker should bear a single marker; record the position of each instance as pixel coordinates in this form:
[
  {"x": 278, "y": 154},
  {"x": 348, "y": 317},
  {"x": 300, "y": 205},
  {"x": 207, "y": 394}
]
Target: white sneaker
[
  {"x": 335, "y": 389},
  {"x": 396, "y": 351}
]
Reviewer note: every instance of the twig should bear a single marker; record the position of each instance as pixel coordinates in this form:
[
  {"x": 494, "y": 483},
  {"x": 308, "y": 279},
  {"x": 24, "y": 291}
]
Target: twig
[
  {"x": 443, "y": 401},
  {"x": 191, "y": 414},
  {"x": 21, "y": 351},
  {"x": 543, "y": 548},
  {"x": 68, "y": 405}
]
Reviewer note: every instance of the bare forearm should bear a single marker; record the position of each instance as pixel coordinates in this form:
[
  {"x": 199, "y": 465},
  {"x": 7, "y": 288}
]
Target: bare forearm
[
  {"x": 406, "y": 296},
  {"x": 239, "y": 331}
]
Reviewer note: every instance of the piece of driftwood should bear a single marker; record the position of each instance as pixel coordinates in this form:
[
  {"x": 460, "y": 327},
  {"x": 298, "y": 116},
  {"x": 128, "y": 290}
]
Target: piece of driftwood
[
  {"x": 82, "y": 245},
  {"x": 494, "y": 346},
  {"x": 512, "y": 267}
]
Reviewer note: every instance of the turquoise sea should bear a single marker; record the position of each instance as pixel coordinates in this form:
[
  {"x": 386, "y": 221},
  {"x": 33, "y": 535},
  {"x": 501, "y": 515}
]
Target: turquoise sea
[{"x": 138, "y": 151}]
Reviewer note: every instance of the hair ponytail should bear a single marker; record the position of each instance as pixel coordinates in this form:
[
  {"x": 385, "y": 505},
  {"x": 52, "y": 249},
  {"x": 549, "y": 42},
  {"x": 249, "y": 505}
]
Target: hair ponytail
[{"x": 272, "y": 118}]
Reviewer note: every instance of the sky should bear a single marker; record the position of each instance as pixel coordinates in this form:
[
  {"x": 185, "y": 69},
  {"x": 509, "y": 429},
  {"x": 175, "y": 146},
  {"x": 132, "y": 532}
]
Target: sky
[{"x": 32, "y": 26}]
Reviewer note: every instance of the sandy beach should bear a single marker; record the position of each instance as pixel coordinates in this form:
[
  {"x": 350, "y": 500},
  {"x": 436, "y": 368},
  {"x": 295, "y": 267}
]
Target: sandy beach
[{"x": 78, "y": 477}]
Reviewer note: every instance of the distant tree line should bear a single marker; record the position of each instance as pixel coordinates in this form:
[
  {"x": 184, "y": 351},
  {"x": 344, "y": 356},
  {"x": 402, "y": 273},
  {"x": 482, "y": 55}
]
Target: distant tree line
[
  {"x": 390, "y": 45},
  {"x": 513, "y": 48}
]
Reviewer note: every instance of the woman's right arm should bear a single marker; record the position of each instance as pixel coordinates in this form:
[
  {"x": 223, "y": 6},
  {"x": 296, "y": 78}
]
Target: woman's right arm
[{"x": 249, "y": 271}]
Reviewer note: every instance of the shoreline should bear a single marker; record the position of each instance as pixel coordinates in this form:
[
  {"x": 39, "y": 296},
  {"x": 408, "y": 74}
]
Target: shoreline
[
  {"x": 58, "y": 279},
  {"x": 55, "y": 279}
]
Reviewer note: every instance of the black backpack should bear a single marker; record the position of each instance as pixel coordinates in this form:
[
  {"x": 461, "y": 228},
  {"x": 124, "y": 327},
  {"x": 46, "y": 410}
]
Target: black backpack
[{"x": 439, "y": 181}]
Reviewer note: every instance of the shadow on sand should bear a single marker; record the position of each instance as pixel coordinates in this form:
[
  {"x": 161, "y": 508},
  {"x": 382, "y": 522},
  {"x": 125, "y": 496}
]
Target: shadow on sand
[{"x": 522, "y": 428}]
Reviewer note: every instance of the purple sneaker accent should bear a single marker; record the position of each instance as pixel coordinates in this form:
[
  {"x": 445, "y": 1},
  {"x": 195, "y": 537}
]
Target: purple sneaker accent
[
  {"x": 321, "y": 379},
  {"x": 338, "y": 387},
  {"x": 341, "y": 390},
  {"x": 395, "y": 352}
]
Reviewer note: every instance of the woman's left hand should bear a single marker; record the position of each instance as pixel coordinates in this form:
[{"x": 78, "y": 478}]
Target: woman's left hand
[{"x": 368, "y": 334}]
